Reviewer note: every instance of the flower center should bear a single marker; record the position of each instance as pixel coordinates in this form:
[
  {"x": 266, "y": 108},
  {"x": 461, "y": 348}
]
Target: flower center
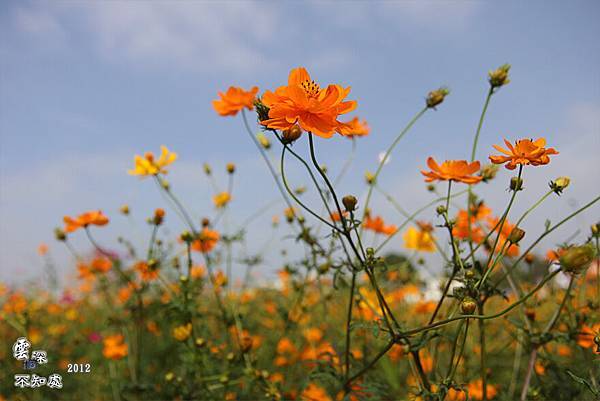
[{"x": 311, "y": 88}]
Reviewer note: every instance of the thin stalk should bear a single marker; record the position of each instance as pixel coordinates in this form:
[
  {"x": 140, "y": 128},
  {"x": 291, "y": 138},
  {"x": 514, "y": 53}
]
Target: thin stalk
[{"x": 387, "y": 154}]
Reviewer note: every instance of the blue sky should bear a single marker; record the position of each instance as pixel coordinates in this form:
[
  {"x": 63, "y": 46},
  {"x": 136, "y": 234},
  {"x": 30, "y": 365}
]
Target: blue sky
[{"x": 85, "y": 85}]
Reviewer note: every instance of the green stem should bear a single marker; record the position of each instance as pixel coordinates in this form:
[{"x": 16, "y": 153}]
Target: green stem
[{"x": 386, "y": 155}]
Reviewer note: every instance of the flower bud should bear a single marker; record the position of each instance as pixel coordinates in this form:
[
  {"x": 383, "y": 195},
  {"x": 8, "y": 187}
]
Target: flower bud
[
  {"x": 205, "y": 222},
  {"x": 124, "y": 209},
  {"x": 350, "y": 202},
  {"x": 489, "y": 171},
  {"x": 323, "y": 268},
  {"x": 499, "y": 77},
  {"x": 436, "y": 97},
  {"x": 263, "y": 140},
  {"x": 530, "y": 313},
  {"x": 529, "y": 258},
  {"x": 323, "y": 168},
  {"x": 430, "y": 187},
  {"x": 59, "y": 234},
  {"x": 186, "y": 236},
  {"x": 516, "y": 183},
  {"x": 200, "y": 342},
  {"x": 559, "y": 184},
  {"x": 169, "y": 376},
  {"x": 595, "y": 230},
  {"x": 468, "y": 306},
  {"x": 577, "y": 258},
  {"x": 290, "y": 135},
  {"x": 207, "y": 169},
  {"x": 230, "y": 168},
  {"x": 246, "y": 343},
  {"x": 370, "y": 178},
  {"x": 261, "y": 110},
  {"x": 469, "y": 274},
  {"x": 441, "y": 209},
  {"x": 159, "y": 215},
  {"x": 516, "y": 235},
  {"x": 165, "y": 184},
  {"x": 300, "y": 190}
]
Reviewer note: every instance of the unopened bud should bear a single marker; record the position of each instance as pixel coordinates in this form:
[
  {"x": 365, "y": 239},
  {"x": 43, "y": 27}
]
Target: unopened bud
[
  {"x": 292, "y": 134},
  {"x": 350, "y": 202},
  {"x": 441, "y": 209},
  {"x": 516, "y": 183},
  {"x": 124, "y": 209},
  {"x": 436, "y": 97},
  {"x": 59, "y": 234},
  {"x": 165, "y": 184},
  {"x": 370, "y": 178},
  {"x": 230, "y": 168},
  {"x": 200, "y": 342},
  {"x": 430, "y": 187},
  {"x": 499, "y": 77},
  {"x": 468, "y": 306},
  {"x": 263, "y": 140},
  {"x": 205, "y": 222},
  {"x": 207, "y": 169},
  {"x": 489, "y": 171},
  {"x": 577, "y": 258},
  {"x": 159, "y": 215},
  {"x": 559, "y": 184},
  {"x": 595, "y": 230},
  {"x": 516, "y": 235},
  {"x": 261, "y": 110},
  {"x": 186, "y": 236}
]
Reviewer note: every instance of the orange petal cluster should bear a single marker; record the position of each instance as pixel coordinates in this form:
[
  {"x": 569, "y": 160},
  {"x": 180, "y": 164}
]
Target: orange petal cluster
[
  {"x": 378, "y": 225},
  {"x": 95, "y": 218},
  {"x": 356, "y": 127},
  {"x": 303, "y": 102},
  {"x": 524, "y": 152},
  {"x": 234, "y": 100},
  {"x": 452, "y": 170},
  {"x": 114, "y": 347},
  {"x": 206, "y": 240}
]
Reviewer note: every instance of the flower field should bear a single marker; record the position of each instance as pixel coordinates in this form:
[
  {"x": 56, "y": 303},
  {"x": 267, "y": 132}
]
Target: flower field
[{"x": 472, "y": 307}]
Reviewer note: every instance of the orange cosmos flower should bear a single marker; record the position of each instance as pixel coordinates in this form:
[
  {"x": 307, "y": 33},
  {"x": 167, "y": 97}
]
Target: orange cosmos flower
[
  {"x": 586, "y": 337},
  {"x": 378, "y": 225},
  {"x": 335, "y": 216},
  {"x": 312, "y": 392},
  {"x": 303, "y": 102},
  {"x": 355, "y": 127},
  {"x": 101, "y": 264},
  {"x": 114, "y": 348},
  {"x": 476, "y": 390},
  {"x": 95, "y": 218},
  {"x": 146, "y": 272},
  {"x": 234, "y": 100},
  {"x": 206, "y": 241},
  {"x": 452, "y": 170},
  {"x": 525, "y": 151}
]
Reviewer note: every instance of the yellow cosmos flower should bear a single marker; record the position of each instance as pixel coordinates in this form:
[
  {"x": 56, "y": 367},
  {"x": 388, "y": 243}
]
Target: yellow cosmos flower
[
  {"x": 148, "y": 165},
  {"x": 420, "y": 240},
  {"x": 221, "y": 199},
  {"x": 181, "y": 333}
]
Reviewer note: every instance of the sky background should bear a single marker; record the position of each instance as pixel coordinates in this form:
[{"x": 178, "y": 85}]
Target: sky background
[{"x": 86, "y": 85}]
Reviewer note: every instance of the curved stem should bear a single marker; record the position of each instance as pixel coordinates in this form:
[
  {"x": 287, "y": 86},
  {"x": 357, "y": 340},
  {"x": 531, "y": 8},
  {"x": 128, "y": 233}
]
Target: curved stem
[
  {"x": 415, "y": 214},
  {"x": 298, "y": 201},
  {"x": 387, "y": 154}
]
